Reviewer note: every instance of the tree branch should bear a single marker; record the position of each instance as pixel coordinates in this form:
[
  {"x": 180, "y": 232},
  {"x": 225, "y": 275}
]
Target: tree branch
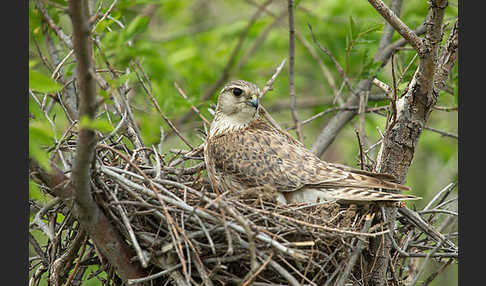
[
  {"x": 90, "y": 216},
  {"x": 103, "y": 234},
  {"x": 399, "y": 26},
  {"x": 447, "y": 59},
  {"x": 295, "y": 115},
  {"x": 399, "y": 142},
  {"x": 230, "y": 63}
]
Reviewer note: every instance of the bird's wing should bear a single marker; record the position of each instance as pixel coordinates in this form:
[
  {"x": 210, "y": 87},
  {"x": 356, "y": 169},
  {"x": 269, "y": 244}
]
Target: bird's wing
[
  {"x": 382, "y": 176},
  {"x": 260, "y": 155}
]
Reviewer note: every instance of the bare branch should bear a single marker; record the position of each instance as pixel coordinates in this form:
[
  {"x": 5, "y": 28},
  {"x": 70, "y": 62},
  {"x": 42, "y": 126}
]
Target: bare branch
[
  {"x": 341, "y": 280},
  {"x": 181, "y": 92},
  {"x": 384, "y": 55},
  {"x": 335, "y": 124},
  {"x": 59, "y": 32},
  {"x": 294, "y": 113},
  {"x": 269, "y": 83},
  {"x": 333, "y": 59},
  {"x": 447, "y": 59},
  {"x": 106, "y": 238},
  {"x": 399, "y": 26},
  {"x": 89, "y": 214},
  {"x": 230, "y": 63}
]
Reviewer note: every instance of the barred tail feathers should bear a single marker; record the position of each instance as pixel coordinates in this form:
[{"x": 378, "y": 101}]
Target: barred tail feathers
[{"x": 344, "y": 194}]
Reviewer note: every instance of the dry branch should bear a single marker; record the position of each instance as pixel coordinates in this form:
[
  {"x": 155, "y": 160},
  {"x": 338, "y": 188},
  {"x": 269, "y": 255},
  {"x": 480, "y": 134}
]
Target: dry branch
[
  {"x": 89, "y": 214},
  {"x": 295, "y": 115},
  {"x": 392, "y": 18},
  {"x": 399, "y": 143}
]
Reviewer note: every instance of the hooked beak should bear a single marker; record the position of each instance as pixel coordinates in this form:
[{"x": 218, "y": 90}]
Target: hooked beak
[{"x": 253, "y": 102}]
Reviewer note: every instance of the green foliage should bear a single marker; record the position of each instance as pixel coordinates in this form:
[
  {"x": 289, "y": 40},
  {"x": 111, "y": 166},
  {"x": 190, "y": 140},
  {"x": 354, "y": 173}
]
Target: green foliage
[
  {"x": 100, "y": 124},
  {"x": 40, "y": 136},
  {"x": 35, "y": 193},
  {"x": 42, "y": 83}
]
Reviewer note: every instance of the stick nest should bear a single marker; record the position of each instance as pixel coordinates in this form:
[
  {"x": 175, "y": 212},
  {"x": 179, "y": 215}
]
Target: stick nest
[{"x": 173, "y": 220}]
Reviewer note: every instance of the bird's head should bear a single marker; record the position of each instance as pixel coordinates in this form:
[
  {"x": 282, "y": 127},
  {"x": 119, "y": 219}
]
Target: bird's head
[
  {"x": 239, "y": 98},
  {"x": 237, "y": 106}
]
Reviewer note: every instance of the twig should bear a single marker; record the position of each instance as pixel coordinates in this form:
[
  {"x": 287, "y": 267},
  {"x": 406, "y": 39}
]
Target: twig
[
  {"x": 443, "y": 133},
  {"x": 59, "y": 32},
  {"x": 428, "y": 256},
  {"x": 201, "y": 269},
  {"x": 363, "y": 102},
  {"x": 250, "y": 279},
  {"x": 106, "y": 14},
  {"x": 435, "y": 273},
  {"x": 172, "y": 126},
  {"x": 181, "y": 92},
  {"x": 249, "y": 233},
  {"x": 447, "y": 59},
  {"x": 76, "y": 267},
  {"x": 446, "y": 190},
  {"x": 295, "y": 115},
  {"x": 325, "y": 71},
  {"x": 173, "y": 228},
  {"x": 335, "y": 124},
  {"x": 333, "y": 109},
  {"x": 153, "y": 276},
  {"x": 203, "y": 214},
  {"x": 277, "y": 267},
  {"x": 38, "y": 221},
  {"x": 333, "y": 59},
  {"x": 268, "y": 85},
  {"x": 126, "y": 222},
  {"x": 60, "y": 264},
  {"x": 341, "y": 280},
  {"x": 361, "y": 153},
  {"x": 426, "y": 228},
  {"x": 266, "y": 88},
  {"x": 61, "y": 63},
  {"x": 229, "y": 64},
  {"x": 399, "y": 26},
  {"x": 383, "y": 86},
  {"x": 406, "y": 68},
  {"x": 388, "y": 30},
  {"x": 38, "y": 249},
  {"x": 261, "y": 38},
  {"x": 394, "y": 98}
]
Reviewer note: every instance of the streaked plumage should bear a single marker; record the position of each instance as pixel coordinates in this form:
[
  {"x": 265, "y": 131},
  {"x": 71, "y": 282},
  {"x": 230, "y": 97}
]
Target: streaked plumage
[{"x": 243, "y": 151}]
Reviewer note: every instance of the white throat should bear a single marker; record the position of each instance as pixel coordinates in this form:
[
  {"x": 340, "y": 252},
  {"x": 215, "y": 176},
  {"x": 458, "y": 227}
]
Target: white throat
[{"x": 223, "y": 123}]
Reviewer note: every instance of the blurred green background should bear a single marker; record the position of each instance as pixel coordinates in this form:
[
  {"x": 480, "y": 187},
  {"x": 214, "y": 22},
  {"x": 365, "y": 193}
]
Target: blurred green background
[{"x": 190, "y": 42}]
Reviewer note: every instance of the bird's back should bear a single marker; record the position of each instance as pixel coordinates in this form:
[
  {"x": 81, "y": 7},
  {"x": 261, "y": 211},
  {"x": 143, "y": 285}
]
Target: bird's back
[{"x": 261, "y": 155}]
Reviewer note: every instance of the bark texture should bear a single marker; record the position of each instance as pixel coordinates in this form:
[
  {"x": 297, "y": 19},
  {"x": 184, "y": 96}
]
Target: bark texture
[{"x": 413, "y": 109}]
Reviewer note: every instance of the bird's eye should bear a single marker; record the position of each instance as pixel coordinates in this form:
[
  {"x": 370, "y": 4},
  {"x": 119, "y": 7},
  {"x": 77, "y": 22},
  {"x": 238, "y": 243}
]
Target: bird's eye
[{"x": 237, "y": 91}]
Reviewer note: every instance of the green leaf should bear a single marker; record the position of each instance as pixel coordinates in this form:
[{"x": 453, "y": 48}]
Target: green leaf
[
  {"x": 35, "y": 193},
  {"x": 182, "y": 55},
  {"x": 101, "y": 26},
  {"x": 130, "y": 77},
  {"x": 40, "y": 136},
  {"x": 100, "y": 124},
  {"x": 32, "y": 63},
  {"x": 354, "y": 29},
  {"x": 372, "y": 29},
  {"x": 42, "y": 83},
  {"x": 138, "y": 25}
]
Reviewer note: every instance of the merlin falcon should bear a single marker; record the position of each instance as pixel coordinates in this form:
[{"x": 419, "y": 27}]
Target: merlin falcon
[{"x": 243, "y": 151}]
